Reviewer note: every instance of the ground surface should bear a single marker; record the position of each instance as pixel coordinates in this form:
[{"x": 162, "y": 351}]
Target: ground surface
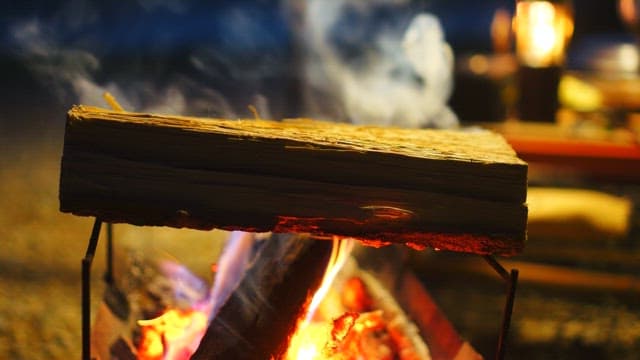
[{"x": 42, "y": 250}]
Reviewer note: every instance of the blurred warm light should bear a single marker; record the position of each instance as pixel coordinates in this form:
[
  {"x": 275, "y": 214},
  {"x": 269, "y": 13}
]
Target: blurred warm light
[
  {"x": 628, "y": 60},
  {"x": 542, "y": 31},
  {"x": 501, "y": 31},
  {"x": 479, "y": 64},
  {"x": 628, "y": 11}
]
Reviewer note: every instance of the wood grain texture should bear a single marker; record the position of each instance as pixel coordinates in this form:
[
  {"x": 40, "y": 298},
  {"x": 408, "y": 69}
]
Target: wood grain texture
[{"x": 462, "y": 191}]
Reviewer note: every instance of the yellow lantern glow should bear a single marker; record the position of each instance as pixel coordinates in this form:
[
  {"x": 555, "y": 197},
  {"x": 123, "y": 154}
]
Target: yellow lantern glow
[{"x": 542, "y": 30}]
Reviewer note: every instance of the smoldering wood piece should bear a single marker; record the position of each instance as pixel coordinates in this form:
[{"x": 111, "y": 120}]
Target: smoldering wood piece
[
  {"x": 462, "y": 191},
  {"x": 121, "y": 350},
  {"x": 256, "y": 321}
]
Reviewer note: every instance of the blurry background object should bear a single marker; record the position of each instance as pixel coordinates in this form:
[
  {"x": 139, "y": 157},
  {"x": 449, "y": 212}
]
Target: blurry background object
[
  {"x": 484, "y": 90},
  {"x": 542, "y": 29},
  {"x": 629, "y": 14},
  {"x": 576, "y": 215}
]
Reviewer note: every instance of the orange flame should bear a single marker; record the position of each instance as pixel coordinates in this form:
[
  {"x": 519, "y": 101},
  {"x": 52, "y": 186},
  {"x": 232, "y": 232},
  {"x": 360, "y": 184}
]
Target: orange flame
[
  {"x": 172, "y": 335},
  {"x": 339, "y": 255},
  {"x": 164, "y": 336},
  {"x": 315, "y": 337}
]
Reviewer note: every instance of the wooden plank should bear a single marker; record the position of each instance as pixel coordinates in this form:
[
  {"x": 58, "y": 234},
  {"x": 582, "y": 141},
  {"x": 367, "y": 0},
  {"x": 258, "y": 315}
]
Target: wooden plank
[{"x": 448, "y": 189}]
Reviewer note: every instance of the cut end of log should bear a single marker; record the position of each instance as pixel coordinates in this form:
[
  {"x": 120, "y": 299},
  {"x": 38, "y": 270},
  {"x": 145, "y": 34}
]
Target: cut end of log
[{"x": 452, "y": 190}]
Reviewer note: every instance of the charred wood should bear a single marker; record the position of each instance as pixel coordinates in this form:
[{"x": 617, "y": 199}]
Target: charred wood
[{"x": 257, "y": 320}]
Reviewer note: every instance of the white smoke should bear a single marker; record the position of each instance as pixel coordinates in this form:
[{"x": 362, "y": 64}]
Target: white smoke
[
  {"x": 71, "y": 75},
  {"x": 62, "y": 70},
  {"x": 403, "y": 78}
]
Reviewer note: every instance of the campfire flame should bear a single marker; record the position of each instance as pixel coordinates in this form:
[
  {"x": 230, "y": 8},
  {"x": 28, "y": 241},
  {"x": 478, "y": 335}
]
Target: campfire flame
[
  {"x": 311, "y": 336},
  {"x": 341, "y": 321},
  {"x": 339, "y": 255},
  {"x": 176, "y": 333},
  {"x": 350, "y": 321},
  {"x": 355, "y": 318}
]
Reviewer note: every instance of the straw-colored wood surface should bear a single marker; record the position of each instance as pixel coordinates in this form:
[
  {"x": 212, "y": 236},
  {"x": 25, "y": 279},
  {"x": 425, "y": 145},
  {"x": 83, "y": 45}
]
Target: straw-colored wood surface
[{"x": 462, "y": 191}]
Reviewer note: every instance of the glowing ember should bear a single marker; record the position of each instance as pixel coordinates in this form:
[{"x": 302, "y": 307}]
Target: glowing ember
[
  {"x": 355, "y": 297},
  {"x": 342, "y": 326},
  {"x": 318, "y": 337},
  {"x": 356, "y": 319}
]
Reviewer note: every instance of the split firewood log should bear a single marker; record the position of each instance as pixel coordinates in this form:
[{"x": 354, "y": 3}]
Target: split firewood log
[{"x": 461, "y": 191}]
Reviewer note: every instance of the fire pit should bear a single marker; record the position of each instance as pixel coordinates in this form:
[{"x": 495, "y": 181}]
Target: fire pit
[{"x": 378, "y": 185}]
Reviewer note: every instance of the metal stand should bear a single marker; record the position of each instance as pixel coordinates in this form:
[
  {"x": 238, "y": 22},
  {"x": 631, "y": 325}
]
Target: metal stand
[
  {"x": 511, "y": 278},
  {"x": 87, "y": 261}
]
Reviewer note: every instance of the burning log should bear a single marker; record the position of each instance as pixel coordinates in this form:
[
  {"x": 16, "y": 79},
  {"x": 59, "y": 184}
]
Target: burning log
[
  {"x": 256, "y": 320},
  {"x": 461, "y": 191}
]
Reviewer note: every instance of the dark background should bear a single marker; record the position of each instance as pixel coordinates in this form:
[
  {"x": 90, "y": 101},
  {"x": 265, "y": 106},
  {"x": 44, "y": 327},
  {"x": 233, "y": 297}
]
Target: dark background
[{"x": 220, "y": 55}]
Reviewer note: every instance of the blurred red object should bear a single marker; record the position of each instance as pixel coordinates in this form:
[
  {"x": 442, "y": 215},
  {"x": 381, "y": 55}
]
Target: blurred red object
[{"x": 550, "y": 148}]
